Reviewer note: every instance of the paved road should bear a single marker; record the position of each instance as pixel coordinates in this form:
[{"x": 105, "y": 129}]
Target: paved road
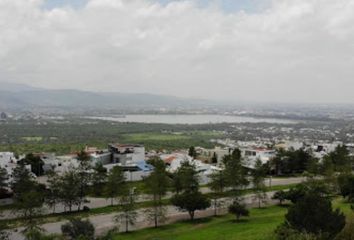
[{"x": 105, "y": 222}]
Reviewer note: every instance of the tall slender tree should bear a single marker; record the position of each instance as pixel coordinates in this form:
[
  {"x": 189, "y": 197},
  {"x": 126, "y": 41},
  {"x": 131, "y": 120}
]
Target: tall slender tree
[
  {"x": 115, "y": 183},
  {"x": 217, "y": 184},
  {"x": 85, "y": 176},
  {"x": 235, "y": 173},
  {"x": 99, "y": 177},
  {"x": 258, "y": 177},
  {"x": 69, "y": 192},
  {"x": 156, "y": 184},
  {"x": 127, "y": 202}
]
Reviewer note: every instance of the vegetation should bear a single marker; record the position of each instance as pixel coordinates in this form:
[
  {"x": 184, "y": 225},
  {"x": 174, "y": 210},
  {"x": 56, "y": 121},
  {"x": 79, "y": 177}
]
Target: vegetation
[
  {"x": 63, "y": 137},
  {"x": 78, "y": 229},
  {"x": 157, "y": 185},
  {"x": 217, "y": 184},
  {"x": 187, "y": 197},
  {"x": 258, "y": 177},
  {"x": 239, "y": 210}
]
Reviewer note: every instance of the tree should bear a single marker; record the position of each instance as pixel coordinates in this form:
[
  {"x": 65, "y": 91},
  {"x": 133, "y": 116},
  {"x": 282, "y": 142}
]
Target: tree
[
  {"x": 53, "y": 192},
  {"x": 235, "y": 173},
  {"x": 238, "y": 210},
  {"x": 78, "y": 229},
  {"x": 3, "y": 181},
  {"x": 69, "y": 192},
  {"x": 28, "y": 195},
  {"x": 85, "y": 176},
  {"x": 36, "y": 163},
  {"x": 185, "y": 178},
  {"x": 293, "y": 161},
  {"x": 346, "y": 186},
  {"x": 281, "y": 196},
  {"x": 192, "y": 152},
  {"x": 115, "y": 183},
  {"x": 214, "y": 158},
  {"x": 340, "y": 158},
  {"x": 217, "y": 184},
  {"x": 191, "y": 201},
  {"x": 156, "y": 184},
  {"x": 258, "y": 177},
  {"x": 99, "y": 177},
  {"x": 314, "y": 214},
  {"x": 127, "y": 201}
]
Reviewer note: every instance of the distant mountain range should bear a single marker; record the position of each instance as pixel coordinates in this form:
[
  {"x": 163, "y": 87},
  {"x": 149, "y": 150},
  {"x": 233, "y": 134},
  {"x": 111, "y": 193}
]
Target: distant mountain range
[{"x": 25, "y": 96}]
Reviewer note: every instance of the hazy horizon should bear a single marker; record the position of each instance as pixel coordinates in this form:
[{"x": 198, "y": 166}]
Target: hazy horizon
[{"x": 278, "y": 51}]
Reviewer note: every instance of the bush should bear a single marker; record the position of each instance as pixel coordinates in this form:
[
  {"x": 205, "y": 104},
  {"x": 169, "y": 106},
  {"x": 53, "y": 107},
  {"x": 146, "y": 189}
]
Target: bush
[
  {"x": 239, "y": 210},
  {"x": 78, "y": 229}
]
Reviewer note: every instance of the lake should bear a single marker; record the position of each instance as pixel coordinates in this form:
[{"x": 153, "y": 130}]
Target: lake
[{"x": 190, "y": 119}]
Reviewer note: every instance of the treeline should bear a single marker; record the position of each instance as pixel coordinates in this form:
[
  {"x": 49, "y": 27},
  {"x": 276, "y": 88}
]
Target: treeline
[{"x": 300, "y": 161}]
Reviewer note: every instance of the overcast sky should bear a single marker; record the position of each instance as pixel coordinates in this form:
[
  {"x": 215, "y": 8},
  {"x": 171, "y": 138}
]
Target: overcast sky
[{"x": 251, "y": 50}]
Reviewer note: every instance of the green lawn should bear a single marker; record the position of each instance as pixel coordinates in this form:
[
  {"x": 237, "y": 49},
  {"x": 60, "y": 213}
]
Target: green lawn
[{"x": 260, "y": 225}]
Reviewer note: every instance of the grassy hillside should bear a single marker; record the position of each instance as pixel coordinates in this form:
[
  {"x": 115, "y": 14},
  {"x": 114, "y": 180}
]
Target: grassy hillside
[{"x": 259, "y": 226}]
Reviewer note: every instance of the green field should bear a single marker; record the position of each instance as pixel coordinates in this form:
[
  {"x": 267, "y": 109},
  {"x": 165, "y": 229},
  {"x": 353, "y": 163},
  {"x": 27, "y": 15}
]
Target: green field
[{"x": 259, "y": 226}]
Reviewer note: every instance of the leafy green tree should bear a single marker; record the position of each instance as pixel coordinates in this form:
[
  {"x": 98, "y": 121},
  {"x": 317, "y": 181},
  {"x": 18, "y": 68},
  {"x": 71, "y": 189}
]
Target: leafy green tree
[
  {"x": 185, "y": 178},
  {"x": 258, "y": 177},
  {"x": 341, "y": 159},
  {"x": 115, "y": 183},
  {"x": 280, "y": 196},
  {"x": 99, "y": 178},
  {"x": 293, "y": 161},
  {"x": 69, "y": 192},
  {"x": 28, "y": 196},
  {"x": 156, "y": 184},
  {"x": 52, "y": 197},
  {"x": 127, "y": 202},
  {"x": 36, "y": 163},
  {"x": 187, "y": 197},
  {"x": 191, "y": 201},
  {"x": 235, "y": 173},
  {"x": 311, "y": 186},
  {"x": 85, "y": 176},
  {"x": 239, "y": 210},
  {"x": 346, "y": 186},
  {"x": 314, "y": 214},
  {"x": 78, "y": 229},
  {"x": 192, "y": 152},
  {"x": 217, "y": 184}
]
